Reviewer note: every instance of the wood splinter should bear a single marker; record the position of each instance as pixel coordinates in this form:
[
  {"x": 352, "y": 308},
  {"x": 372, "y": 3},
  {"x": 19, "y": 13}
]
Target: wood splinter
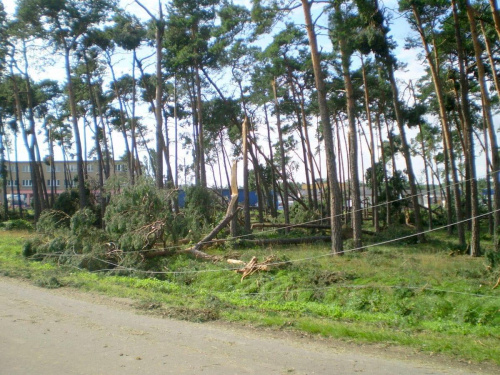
[{"x": 253, "y": 266}]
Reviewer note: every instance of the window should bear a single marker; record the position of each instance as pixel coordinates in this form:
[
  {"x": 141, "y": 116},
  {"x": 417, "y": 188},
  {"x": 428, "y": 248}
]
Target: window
[
  {"x": 26, "y": 168},
  {"x": 73, "y": 168},
  {"x": 11, "y": 182},
  {"x": 27, "y": 183},
  {"x": 57, "y": 168},
  {"x": 53, "y": 182},
  {"x": 120, "y": 167},
  {"x": 90, "y": 167}
]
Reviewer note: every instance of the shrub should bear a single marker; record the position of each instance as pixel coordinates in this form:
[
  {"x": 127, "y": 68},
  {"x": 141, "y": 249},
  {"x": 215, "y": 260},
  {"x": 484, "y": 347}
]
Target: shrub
[
  {"x": 67, "y": 202},
  {"x": 17, "y": 224},
  {"x": 299, "y": 214},
  {"x": 50, "y": 221},
  {"x": 394, "y": 232},
  {"x": 139, "y": 216},
  {"x": 200, "y": 210}
]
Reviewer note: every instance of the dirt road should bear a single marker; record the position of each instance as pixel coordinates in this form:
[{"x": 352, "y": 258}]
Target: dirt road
[{"x": 68, "y": 332}]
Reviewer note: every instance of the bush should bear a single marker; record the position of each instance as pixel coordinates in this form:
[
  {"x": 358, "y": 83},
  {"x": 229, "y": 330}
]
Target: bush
[
  {"x": 200, "y": 210},
  {"x": 82, "y": 222},
  {"x": 140, "y": 216},
  {"x": 17, "y": 224},
  {"x": 50, "y": 221},
  {"x": 299, "y": 214},
  {"x": 408, "y": 236},
  {"x": 67, "y": 202}
]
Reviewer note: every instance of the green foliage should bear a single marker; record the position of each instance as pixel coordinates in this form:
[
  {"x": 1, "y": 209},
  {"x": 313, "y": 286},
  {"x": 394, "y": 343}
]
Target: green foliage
[
  {"x": 411, "y": 295},
  {"x": 51, "y": 221},
  {"x": 82, "y": 222},
  {"x": 16, "y": 224},
  {"x": 67, "y": 202},
  {"x": 493, "y": 258},
  {"x": 140, "y": 216},
  {"x": 299, "y": 214},
  {"x": 200, "y": 210},
  {"x": 394, "y": 232}
]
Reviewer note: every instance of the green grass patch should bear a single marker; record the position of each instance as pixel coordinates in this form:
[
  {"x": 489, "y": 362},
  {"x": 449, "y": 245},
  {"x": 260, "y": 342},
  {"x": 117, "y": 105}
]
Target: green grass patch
[{"x": 425, "y": 296}]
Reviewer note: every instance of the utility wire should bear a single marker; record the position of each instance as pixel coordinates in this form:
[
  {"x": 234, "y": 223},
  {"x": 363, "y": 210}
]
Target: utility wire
[{"x": 121, "y": 268}]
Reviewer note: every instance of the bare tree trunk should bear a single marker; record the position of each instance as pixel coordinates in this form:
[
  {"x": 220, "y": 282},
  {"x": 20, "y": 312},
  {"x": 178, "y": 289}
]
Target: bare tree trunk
[
  {"x": 449, "y": 211},
  {"x": 406, "y": 152},
  {"x": 201, "y": 144},
  {"x": 283, "y": 156},
  {"x": 374, "y": 202},
  {"x": 496, "y": 16},
  {"x": 486, "y": 101},
  {"x": 467, "y": 125},
  {"x": 3, "y": 170},
  {"x": 160, "y": 28},
  {"x": 384, "y": 167},
  {"x": 434, "y": 66},
  {"x": 273, "y": 175},
  {"x": 246, "y": 201},
  {"x": 335, "y": 197},
  {"x": 309, "y": 150}
]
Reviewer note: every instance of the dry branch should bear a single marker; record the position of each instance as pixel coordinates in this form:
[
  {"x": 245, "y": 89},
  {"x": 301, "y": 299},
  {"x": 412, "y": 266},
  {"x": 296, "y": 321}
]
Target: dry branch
[
  {"x": 497, "y": 284},
  {"x": 254, "y": 266}
]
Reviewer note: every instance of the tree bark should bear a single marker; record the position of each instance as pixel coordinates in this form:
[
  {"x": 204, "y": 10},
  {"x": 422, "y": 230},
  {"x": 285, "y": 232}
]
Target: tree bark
[
  {"x": 335, "y": 196},
  {"x": 356, "y": 213},
  {"x": 283, "y": 156},
  {"x": 434, "y": 66},
  {"x": 467, "y": 125},
  {"x": 486, "y": 101}
]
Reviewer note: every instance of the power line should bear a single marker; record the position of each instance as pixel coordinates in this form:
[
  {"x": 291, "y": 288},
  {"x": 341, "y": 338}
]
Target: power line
[{"x": 120, "y": 268}]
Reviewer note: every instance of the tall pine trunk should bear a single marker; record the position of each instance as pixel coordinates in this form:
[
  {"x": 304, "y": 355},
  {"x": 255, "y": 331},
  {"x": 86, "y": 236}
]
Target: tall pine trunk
[
  {"x": 486, "y": 102},
  {"x": 335, "y": 196}
]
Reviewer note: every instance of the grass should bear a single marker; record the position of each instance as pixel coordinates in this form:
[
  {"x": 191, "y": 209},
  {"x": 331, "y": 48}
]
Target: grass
[{"x": 415, "y": 295}]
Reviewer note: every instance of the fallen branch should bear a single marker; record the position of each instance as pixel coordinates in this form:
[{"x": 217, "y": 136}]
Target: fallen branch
[
  {"x": 231, "y": 212},
  {"x": 253, "y": 266},
  {"x": 497, "y": 284},
  {"x": 195, "y": 250}
]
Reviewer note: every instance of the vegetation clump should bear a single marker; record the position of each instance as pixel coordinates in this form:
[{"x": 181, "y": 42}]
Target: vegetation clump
[
  {"x": 16, "y": 224},
  {"x": 140, "y": 216}
]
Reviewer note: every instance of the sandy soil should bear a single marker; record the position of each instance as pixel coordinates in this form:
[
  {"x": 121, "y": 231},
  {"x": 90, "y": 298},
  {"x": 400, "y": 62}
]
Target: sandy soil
[{"x": 66, "y": 331}]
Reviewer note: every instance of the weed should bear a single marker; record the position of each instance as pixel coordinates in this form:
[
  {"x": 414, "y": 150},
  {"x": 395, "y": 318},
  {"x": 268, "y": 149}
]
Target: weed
[
  {"x": 410, "y": 295},
  {"x": 49, "y": 282}
]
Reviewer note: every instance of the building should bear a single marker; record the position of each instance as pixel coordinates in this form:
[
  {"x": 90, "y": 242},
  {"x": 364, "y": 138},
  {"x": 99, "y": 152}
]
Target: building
[{"x": 65, "y": 178}]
